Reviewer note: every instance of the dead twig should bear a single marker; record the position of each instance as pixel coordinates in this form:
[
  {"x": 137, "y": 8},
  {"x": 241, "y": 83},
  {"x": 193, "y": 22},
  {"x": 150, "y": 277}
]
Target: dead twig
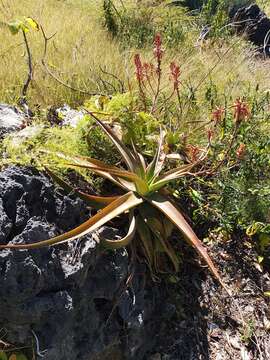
[
  {"x": 49, "y": 72},
  {"x": 121, "y": 82},
  {"x": 23, "y": 99}
]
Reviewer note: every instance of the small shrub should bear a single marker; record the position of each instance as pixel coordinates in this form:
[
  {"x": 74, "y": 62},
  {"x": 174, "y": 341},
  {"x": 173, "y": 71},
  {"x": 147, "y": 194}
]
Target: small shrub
[
  {"x": 109, "y": 17},
  {"x": 137, "y": 26}
]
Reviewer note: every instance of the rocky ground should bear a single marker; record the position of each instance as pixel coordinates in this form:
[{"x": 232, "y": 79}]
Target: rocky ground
[
  {"x": 76, "y": 301},
  {"x": 71, "y": 301},
  {"x": 210, "y": 324}
]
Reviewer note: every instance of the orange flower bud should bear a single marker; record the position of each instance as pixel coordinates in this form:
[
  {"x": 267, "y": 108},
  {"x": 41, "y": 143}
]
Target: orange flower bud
[{"x": 241, "y": 151}]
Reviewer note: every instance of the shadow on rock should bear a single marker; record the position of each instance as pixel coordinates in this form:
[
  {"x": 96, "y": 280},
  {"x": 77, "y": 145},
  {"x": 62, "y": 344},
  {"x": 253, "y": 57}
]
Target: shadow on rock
[
  {"x": 184, "y": 329},
  {"x": 254, "y": 23}
]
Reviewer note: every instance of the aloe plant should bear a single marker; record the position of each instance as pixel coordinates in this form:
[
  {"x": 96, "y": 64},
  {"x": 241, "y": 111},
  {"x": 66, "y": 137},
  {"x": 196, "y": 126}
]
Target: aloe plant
[{"x": 144, "y": 187}]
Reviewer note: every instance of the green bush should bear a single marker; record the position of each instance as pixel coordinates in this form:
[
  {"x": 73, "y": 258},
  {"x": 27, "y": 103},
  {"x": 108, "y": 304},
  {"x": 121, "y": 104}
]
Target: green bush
[{"x": 136, "y": 26}]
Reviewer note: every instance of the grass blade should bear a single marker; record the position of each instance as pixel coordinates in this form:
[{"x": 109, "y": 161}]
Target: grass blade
[{"x": 123, "y": 150}]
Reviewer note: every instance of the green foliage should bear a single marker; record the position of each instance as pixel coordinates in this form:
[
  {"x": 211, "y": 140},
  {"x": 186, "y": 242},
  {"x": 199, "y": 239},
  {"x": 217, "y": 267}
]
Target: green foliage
[
  {"x": 246, "y": 188},
  {"x": 109, "y": 17},
  {"x": 136, "y": 125},
  {"x": 215, "y": 14},
  {"x": 236, "y": 199},
  {"x": 3, "y": 355},
  {"x": 35, "y": 145},
  {"x": 22, "y": 25},
  {"x": 12, "y": 356},
  {"x": 136, "y": 26}
]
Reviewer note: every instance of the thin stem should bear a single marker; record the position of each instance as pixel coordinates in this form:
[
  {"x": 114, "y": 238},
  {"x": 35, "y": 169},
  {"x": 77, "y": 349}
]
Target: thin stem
[
  {"x": 179, "y": 100},
  {"x": 22, "y": 101},
  {"x": 49, "y": 72},
  {"x": 142, "y": 95},
  {"x": 158, "y": 86},
  {"x": 234, "y": 136}
]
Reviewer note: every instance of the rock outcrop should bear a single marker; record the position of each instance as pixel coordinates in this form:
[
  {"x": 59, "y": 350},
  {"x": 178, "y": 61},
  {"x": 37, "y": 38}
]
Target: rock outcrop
[
  {"x": 254, "y": 23},
  {"x": 11, "y": 119},
  {"x": 71, "y": 300}
]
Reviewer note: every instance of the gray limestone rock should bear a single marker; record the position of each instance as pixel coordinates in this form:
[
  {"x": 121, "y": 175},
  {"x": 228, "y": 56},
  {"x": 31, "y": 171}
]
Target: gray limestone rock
[
  {"x": 72, "y": 297},
  {"x": 11, "y": 119}
]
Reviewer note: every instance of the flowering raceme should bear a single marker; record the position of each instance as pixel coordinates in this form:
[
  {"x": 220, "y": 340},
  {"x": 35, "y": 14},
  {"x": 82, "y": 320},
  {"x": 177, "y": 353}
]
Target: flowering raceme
[
  {"x": 158, "y": 51},
  {"x": 241, "y": 151},
  {"x": 175, "y": 74},
  {"x": 193, "y": 152},
  {"x": 138, "y": 67},
  {"x": 241, "y": 111},
  {"x": 217, "y": 114}
]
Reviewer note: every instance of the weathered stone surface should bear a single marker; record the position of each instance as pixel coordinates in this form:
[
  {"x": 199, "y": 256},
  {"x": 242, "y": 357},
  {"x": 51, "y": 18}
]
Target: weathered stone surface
[
  {"x": 74, "y": 296},
  {"x": 11, "y": 119},
  {"x": 27, "y": 133},
  {"x": 65, "y": 115}
]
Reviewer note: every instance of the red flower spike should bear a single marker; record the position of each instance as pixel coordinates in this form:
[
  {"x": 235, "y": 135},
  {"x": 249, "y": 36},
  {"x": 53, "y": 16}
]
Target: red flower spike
[
  {"x": 158, "y": 51},
  {"x": 217, "y": 114},
  {"x": 241, "y": 151},
  {"x": 138, "y": 67},
  {"x": 175, "y": 74},
  {"x": 148, "y": 70},
  {"x": 241, "y": 110},
  {"x": 194, "y": 152}
]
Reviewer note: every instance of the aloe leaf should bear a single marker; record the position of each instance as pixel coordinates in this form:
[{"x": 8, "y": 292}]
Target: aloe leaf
[
  {"x": 174, "y": 215},
  {"x": 170, "y": 176},
  {"x": 142, "y": 161},
  {"x": 119, "y": 206},
  {"x": 114, "y": 172},
  {"x": 89, "y": 161},
  {"x": 156, "y": 165},
  {"x": 177, "y": 171},
  {"x": 146, "y": 240},
  {"x": 116, "y": 244},
  {"x": 128, "y": 179},
  {"x": 123, "y": 150},
  {"x": 97, "y": 202},
  {"x": 153, "y": 219},
  {"x": 83, "y": 162},
  {"x": 141, "y": 166}
]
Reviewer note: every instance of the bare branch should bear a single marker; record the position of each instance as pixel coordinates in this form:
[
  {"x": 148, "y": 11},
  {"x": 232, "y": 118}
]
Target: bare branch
[
  {"x": 55, "y": 77},
  {"x": 23, "y": 101},
  {"x": 121, "y": 82}
]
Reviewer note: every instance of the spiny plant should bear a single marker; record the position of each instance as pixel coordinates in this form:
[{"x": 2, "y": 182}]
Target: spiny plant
[{"x": 152, "y": 210}]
